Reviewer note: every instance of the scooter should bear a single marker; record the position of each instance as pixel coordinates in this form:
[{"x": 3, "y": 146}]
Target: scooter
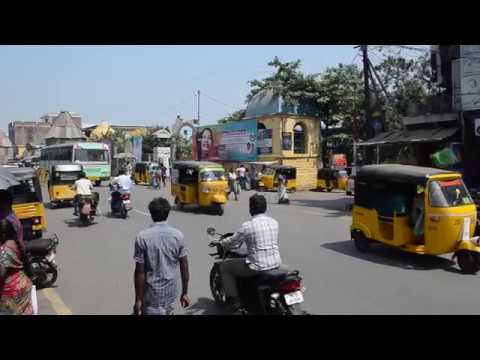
[
  {"x": 88, "y": 208},
  {"x": 273, "y": 292},
  {"x": 40, "y": 261},
  {"x": 119, "y": 203}
]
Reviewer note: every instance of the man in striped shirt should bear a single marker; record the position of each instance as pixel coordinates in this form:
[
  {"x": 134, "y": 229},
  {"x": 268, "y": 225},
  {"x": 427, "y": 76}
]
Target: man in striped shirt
[{"x": 260, "y": 235}]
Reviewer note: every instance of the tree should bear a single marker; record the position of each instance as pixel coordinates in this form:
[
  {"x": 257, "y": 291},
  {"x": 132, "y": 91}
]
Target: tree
[
  {"x": 236, "y": 116},
  {"x": 339, "y": 94},
  {"x": 408, "y": 82},
  {"x": 288, "y": 82},
  {"x": 183, "y": 147}
]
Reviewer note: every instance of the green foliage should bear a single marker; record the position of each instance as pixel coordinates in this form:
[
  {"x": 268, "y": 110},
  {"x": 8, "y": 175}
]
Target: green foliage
[
  {"x": 236, "y": 116},
  {"x": 183, "y": 147},
  {"x": 340, "y": 94},
  {"x": 408, "y": 82}
]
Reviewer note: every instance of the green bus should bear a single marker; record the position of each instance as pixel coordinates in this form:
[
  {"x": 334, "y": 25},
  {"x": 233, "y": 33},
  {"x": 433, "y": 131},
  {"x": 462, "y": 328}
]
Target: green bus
[{"x": 93, "y": 157}]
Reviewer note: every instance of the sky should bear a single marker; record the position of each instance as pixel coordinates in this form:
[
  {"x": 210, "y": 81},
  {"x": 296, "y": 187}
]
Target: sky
[{"x": 143, "y": 85}]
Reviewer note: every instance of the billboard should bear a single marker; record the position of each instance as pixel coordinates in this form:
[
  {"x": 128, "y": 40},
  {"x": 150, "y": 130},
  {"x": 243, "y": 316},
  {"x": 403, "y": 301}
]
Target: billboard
[
  {"x": 264, "y": 141},
  {"x": 137, "y": 142},
  {"x": 235, "y": 141}
]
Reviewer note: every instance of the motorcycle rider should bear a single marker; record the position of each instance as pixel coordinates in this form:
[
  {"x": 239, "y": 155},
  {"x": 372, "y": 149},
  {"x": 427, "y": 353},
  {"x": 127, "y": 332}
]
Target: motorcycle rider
[
  {"x": 83, "y": 187},
  {"x": 261, "y": 237},
  {"x": 124, "y": 182}
]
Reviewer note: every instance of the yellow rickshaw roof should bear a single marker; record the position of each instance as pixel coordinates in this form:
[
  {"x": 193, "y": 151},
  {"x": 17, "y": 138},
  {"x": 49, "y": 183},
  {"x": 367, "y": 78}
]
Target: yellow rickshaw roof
[
  {"x": 409, "y": 174},
  {"x": 197, "y": 164}
]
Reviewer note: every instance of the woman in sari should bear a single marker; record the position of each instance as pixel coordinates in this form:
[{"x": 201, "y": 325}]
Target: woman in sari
[{"x": 15, "y": 285}]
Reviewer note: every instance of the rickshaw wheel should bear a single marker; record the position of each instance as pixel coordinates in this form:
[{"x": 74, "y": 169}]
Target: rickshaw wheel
[
  {"x": 178, "y": 204},
  {"x": 217, "y": 209},
  {"x": 98, "y": 182},
  {"x": 468, "y": 261},
  {"x": 361, "y": 242},
  {"x": 329, "y": 190}
]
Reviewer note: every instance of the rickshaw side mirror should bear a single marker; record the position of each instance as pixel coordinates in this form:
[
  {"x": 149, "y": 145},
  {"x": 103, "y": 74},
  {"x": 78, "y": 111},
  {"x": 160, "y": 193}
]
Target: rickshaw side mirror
[{"x": 211, "y": 231}]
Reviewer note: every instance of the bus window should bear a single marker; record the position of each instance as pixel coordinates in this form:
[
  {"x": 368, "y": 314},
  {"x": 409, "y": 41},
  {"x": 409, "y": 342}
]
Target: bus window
[{"x": 91, "y": 155}]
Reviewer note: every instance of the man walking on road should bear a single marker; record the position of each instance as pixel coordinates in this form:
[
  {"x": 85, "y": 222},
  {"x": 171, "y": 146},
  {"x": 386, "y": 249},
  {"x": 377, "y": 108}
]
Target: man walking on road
[
  {"x": 159, "y": 252},
  {"x": 163, "y": 174}
]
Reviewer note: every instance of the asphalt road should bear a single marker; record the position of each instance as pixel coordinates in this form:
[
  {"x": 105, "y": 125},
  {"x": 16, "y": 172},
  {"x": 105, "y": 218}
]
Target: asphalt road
[{"x": 96, "y": 264}]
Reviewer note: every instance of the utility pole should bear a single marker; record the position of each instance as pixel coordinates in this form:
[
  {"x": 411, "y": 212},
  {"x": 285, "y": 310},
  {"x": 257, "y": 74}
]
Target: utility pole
[
  {"x": 198, "y": 107},
  {"x": 366, "y": 66}
]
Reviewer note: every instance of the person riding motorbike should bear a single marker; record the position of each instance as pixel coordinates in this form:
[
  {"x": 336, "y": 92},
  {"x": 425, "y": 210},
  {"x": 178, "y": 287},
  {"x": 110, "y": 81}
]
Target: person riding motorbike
[
  {"x": 261, "y": 237},
  {"x": 82, "y": 187},
  {"x": 124, "y": 181}
]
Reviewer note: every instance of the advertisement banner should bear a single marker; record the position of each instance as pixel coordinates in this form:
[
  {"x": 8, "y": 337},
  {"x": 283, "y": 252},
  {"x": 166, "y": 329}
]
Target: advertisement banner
[
  {"x": 339, "y": 161},
  {"x": 287, "y": 141},
  {"x": 236, "y": 141},
  {"x": 264, "y": 142},
  {"x": 137, "y": 142}
]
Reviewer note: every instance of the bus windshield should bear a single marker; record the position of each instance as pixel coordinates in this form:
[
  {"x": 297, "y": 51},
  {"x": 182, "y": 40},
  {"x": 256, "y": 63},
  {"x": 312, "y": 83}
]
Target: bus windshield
[
  {"x": 91, "y": 155},
  {"x": 449, "y": 193}
]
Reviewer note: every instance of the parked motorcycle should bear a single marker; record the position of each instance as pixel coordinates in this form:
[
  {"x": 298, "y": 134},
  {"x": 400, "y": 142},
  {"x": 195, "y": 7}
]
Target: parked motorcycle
[
  {"x": 88, "y": 208},
  {"x": 40, "y": 261},
  {"x": 273, "y": 292},
  {"x": 119, "y": 203}
]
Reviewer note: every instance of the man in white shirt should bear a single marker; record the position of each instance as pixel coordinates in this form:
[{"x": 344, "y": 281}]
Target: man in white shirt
[
  {"x": 124, "y": 181},
  {"x": 82, "y": 186}
]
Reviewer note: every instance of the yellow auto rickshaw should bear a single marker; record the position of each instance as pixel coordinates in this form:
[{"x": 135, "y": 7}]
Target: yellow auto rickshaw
[
  {"x": 62, "y": 177},
  {"x": 141, "y": 174},
  {"x": 415, "y": 209},
  {"x": 269, "y": 179},
  {"x": 28, "y": 202},
  {"x": 327, "y": 179},
  {"x": 199, "y": 183}
]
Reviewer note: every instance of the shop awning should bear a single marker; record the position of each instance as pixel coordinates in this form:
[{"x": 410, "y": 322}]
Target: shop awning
[
  {"x": 411, "y": 136},
  {"x": 266, "y": 163}
]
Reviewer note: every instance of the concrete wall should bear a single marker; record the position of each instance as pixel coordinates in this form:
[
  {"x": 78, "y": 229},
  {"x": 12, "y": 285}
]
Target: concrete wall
[{"x": 21, "y": 133}]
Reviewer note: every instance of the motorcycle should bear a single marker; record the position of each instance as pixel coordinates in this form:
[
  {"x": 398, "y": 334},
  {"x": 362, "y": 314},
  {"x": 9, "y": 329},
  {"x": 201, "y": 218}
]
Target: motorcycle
[
  {"x": 119, "y": 203},
  {"x": 272, "y": 292},
  {"x": 40, "y": 261},
  {"x": 88, "y": 208}
]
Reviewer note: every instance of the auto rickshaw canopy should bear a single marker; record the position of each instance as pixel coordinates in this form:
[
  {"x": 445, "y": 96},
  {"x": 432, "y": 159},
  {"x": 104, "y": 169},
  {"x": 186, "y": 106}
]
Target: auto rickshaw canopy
[
  {"x": 196, "y": 164},
  {"x": 396, "y": 173}
]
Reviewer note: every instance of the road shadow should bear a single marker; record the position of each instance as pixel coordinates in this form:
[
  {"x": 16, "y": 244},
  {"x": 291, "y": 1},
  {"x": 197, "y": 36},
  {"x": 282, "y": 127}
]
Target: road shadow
[
  {"x": 195, "y": 210},
  {"x": 340, "y": 206},
  {"x": 51, "y": 206},
  {"x": 388, "y": 256},
  {"x": 75, "y": 222},
  {"x": 205, "y": 306}
]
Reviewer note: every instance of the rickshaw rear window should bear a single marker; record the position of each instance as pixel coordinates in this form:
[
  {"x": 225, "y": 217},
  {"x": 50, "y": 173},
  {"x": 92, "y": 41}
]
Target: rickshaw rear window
[
  {"x": 449, "y": 194},
  {"x": 24, "y": 193},
  {"x": 66, "y": 177},
  {"x": 212, "y": 175}
]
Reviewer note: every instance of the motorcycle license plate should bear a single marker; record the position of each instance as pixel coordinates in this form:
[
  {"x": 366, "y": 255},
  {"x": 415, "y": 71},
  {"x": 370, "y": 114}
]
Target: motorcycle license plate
[
  {"x": 293, "y": 298},
  {"x": 126, "y": 201}
]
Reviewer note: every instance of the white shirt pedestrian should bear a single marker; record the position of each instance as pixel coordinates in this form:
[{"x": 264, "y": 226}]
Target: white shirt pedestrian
[{"x": 124, "y": 181}]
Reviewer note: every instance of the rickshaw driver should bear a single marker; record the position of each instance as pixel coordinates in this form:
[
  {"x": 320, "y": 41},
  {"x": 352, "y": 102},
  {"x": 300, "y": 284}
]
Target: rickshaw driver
[
  {"x": 83, "y": 186},
  {"x": 418, "y": 212}
]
